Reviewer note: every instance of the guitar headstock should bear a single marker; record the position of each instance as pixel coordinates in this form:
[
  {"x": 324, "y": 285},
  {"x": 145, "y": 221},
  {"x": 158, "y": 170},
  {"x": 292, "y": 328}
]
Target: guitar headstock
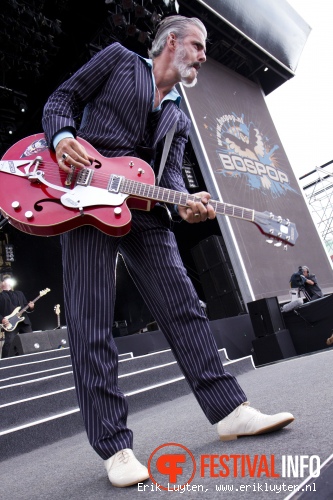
[
  {"x": 57, "y": 309},
  {"x": 276, "y": 228},
  {"x": 44, "y": 292}
]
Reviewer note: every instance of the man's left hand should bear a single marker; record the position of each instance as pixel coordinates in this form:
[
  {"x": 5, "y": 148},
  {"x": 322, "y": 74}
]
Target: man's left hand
[
  {"x": 197, "y": 211},
  {"x": 31, "y": 305}
]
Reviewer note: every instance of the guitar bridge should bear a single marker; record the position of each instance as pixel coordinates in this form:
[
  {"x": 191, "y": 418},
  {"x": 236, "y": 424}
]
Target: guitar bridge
[
  {"x": 114, "y": 183},
  {"x": 84, "y": 177}
]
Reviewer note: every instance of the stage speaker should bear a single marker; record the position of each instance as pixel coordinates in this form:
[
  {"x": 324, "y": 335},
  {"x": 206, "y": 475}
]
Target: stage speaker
[
  {"x": 208, "y": 253},
  {"x": 217, "y": 278},
  {"x": 217, "y": 281},
  {"x": 225, "y": 305},
  {"x": 266, "y": 316},
  {"x": 119, "y": 328},
  {"x": 58, "y": 338},
  {"x": 310, "y": 325},
  {"x": 273, "y": 347},
  {"x": 28, "y": 343}
]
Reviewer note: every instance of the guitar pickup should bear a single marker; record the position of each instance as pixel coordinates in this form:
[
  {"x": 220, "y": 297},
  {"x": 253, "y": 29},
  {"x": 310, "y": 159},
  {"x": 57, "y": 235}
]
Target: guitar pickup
[
  {"x": 84, "y": 177},
  {"x": 114, "y": 183}
]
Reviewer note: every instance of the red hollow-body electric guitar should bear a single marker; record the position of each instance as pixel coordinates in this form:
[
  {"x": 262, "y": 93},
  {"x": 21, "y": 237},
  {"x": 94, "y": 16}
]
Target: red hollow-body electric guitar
[{"x": 40, "y": 199}]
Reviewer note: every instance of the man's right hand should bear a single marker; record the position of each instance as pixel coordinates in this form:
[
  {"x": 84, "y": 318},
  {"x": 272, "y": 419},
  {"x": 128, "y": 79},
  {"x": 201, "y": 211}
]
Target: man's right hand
[{"x": 70, "y": 152}]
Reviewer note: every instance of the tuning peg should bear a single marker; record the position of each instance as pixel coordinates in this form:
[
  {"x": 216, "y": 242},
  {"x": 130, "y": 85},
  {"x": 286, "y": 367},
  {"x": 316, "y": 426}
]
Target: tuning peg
[
  {"x": 287, "y": 222},
  {"x": 278, "y": 244},
  {"x": 269, "y": 241},
  {"x": 279, "y": 218}
]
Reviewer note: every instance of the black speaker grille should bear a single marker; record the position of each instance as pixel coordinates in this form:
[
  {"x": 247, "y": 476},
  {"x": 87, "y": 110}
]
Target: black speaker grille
[{"x": 266, "y": 316}]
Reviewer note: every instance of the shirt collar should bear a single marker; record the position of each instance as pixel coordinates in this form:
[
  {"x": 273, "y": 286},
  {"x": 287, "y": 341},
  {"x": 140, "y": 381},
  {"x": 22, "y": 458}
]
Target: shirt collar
[{"x": 173, "y": 95}]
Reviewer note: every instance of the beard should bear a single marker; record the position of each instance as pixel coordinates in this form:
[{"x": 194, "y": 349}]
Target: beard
[{"x": 185, "y": 71}]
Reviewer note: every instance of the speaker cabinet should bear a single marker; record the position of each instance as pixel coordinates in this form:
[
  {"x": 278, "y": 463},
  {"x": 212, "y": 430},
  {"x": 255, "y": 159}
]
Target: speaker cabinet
[
  {"x": 208, "y": 253},
  {"x": 225, "y": 305},
  {"x": 217, "y": 279},
  {"x": 28, "y": 343},
  {"x": 273, "y": 347},
  {"x": 266, "y": 316},
  {"x": 58, "y": 338},
  {"x": 310, "y": 325}
]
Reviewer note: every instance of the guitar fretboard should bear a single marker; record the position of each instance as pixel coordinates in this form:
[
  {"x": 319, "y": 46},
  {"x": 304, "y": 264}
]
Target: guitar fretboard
[{"x": 158, "y": 193}]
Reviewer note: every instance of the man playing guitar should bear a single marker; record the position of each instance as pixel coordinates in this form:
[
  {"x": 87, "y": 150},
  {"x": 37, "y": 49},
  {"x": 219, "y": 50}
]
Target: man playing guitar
[{"x": 9, "y": 300}]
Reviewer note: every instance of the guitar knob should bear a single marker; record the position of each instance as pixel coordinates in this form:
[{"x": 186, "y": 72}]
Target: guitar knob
[
  {"x": 117, "y": 211},
  {"x": 29, "y": 215},
  {"x": 141, "y": 171},
  {"x": 16, "y": 205}
]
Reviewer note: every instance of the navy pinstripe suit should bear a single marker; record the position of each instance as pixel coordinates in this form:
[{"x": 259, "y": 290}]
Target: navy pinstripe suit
[{"x": 115, "y": 88}]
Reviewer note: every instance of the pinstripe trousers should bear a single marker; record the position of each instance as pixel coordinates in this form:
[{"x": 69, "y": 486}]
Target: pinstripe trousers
[{"x": 152, "y": 258}]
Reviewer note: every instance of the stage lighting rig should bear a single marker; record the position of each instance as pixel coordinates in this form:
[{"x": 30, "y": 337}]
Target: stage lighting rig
[{"x": 9, "y": 249}]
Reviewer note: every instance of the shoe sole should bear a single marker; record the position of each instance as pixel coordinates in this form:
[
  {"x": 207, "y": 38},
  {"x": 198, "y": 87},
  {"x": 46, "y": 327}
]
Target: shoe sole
[
  {"x": 143, "y": 478},
  {"x": 272, "y": 428}
]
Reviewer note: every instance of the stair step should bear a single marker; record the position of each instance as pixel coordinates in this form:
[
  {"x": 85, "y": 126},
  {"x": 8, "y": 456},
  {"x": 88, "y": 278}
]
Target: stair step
[{"x": 42, "y": 396}]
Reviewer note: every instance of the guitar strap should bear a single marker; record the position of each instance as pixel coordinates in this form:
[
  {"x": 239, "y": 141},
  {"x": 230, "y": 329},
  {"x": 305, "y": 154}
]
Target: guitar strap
[{"x": 165, "y": 152}]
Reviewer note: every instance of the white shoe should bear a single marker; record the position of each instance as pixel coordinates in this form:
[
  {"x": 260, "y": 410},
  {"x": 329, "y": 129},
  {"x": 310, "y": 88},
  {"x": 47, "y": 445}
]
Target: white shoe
[
  {"x": 124, "y": 469},
  {"x": 247, "y": 421}
]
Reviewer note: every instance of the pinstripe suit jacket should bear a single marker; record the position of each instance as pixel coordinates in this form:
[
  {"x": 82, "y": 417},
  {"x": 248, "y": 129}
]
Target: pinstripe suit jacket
[{"x": 115, "y": 90}]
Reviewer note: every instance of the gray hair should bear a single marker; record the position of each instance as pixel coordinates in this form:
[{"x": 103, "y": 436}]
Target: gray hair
[{"x": 179, "y": 25}]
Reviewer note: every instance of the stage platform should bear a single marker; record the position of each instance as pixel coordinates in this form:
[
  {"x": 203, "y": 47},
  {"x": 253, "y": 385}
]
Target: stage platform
[{"x": 45, "y": 452}]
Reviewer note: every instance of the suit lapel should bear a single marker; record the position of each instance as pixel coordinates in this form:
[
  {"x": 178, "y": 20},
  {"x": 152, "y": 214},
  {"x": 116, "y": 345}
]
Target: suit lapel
[
  {"x": 168, "y": 118},
  {"x": 143, "y": 90}
]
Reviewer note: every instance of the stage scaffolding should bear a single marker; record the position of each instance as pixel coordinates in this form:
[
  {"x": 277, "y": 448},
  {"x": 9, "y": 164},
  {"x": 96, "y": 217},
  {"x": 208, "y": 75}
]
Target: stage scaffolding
[{"x": 317, "y": 186}]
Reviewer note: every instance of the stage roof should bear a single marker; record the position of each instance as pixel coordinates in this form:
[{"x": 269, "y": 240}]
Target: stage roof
[
  {"x": 43, "y": 43},
  {"x": 261, "y": 39}
]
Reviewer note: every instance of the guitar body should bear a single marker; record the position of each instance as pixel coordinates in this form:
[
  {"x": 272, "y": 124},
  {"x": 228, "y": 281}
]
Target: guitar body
[
  {"x": 14, "y": 320},
  {"x": 36, "y": 208},
  {"x": 38, "y": 198}
]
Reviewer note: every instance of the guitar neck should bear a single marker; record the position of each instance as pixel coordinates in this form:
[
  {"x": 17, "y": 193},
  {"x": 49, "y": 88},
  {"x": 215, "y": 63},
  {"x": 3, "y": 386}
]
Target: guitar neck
[
  {"x": 161, "y": 194},
  {"x": 27, "y": 306}
]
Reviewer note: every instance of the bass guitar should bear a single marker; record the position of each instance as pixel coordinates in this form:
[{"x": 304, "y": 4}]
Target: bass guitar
[
  {"x": 40, "y": 199},
  {"x": 16, "y": 317},
  {"x": 57, "y": 311}
]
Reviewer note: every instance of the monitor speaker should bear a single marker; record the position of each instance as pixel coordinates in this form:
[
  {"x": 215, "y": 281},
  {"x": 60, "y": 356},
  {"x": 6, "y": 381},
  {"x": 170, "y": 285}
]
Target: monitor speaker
[
  {"x": 58, "y": 338},
  {"x": 28, "y": 343},
  {"x": 266, "y": 316}
]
